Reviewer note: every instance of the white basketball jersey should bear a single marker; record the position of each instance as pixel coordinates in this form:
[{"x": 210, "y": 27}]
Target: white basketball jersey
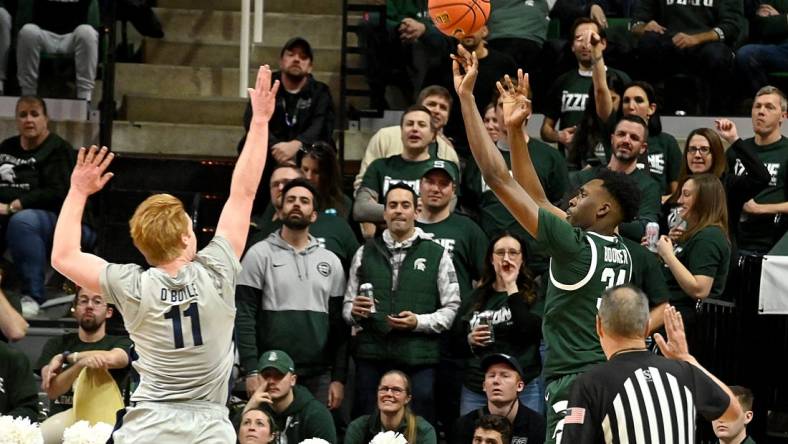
[{"x": 182, "y": 327}]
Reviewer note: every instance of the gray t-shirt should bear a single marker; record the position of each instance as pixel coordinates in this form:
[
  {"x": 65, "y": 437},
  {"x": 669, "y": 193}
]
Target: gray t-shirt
[{"x": 182, "y": 327}]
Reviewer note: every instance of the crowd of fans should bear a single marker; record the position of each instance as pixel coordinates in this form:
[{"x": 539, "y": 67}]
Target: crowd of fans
[{"x": 454, "y": 297}]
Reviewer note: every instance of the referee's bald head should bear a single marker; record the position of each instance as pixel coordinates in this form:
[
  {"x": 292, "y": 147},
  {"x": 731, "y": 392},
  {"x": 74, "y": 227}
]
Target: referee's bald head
[{"x": 624, "y": 311}]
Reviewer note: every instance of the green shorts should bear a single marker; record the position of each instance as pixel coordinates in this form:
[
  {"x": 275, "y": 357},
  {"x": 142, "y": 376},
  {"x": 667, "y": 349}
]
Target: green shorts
[{"x": 557, "y": 401}]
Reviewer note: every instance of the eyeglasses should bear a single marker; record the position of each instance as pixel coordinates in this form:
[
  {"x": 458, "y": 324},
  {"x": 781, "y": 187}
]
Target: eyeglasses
[
  {"x": 703, "y": 150},
  {"x": 511, "y": 253},
  {"x": 393, "y": 390},
  {"x": 94, "y": 302}
]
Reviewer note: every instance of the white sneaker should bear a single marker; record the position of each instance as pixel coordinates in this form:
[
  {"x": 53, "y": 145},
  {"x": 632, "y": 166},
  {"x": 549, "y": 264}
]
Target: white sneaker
[{"x": 29, "y": 307}]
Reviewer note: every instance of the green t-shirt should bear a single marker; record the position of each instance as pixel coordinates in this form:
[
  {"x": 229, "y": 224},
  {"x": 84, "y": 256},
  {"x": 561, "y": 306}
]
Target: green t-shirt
[
  {"x": 643, "y": 276},
  {"x": 18, "y": 388},
  {"x": 71, "y": 342},
  {"x": 519, "y": 20},
  {"x": 707, "y": 253},
  {"x": 382, "y": 173},
  {"x": 759, "y": 232},
  {"x": 494, "y": 218},
  {"x": 664, "y": 160},
  {"x": 582, "y": 265},
  {"x": 466, "y": 244}
]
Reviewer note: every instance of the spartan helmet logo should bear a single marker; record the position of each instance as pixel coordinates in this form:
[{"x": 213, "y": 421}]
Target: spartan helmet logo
[
  {"x": 273, "y": 357},
  {"x": 420, "y": 264},
  {"x": 7, "y": 173}
]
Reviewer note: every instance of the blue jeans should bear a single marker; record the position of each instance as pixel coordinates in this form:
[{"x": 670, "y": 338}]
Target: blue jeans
[
  {"x": 754, "y": 61},
  {"x": 422, "y": 382},
  {"x": 532, "y": 397},
  {"x": 29, "y": 239}
]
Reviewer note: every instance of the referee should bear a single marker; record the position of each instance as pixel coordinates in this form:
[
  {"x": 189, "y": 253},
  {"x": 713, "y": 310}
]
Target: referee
[{"x": 637, "y": 396}]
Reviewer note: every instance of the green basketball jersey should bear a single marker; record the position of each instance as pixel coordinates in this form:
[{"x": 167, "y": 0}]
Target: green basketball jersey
[{"x": 582, "y": 265}]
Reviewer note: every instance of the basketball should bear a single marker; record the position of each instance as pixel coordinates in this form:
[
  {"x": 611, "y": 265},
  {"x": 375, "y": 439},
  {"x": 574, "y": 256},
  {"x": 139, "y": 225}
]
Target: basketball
[{"x": 457, "y": 17}]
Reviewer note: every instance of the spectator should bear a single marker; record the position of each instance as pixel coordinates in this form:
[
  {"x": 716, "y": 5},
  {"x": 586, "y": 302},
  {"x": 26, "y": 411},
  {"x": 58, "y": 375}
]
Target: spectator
[
  {"x": 698, "y": 266},
  {"x": 649, "y": 384},
  {"x": 63, "y": 357},
  {"x": 591, "y": 143},
  {"x": 418, "y": 131},
  {"x": 18, "y": 394},
  {"x": 5, "y": 43},
  {"x": 519, "y": 29},
  {"x": 257, "y": 427},
  {"x": 304, "y": 110},
  {"x": 628, "y": 143},
  {"x": 567, "y": 97},
  {"x": 320, "y": 166},
  {"x": 392, "y": 414},
  {"x": 34, "y": 172},
  {"x": 492, "y": 429},
  {"x": 763, "y": 221},
  {"x": 297, "y": 414},
  {"x": 491, "y": 122},
  {"x": 502, "y": 384},
  {"x": 289, "y": 285},
  {"x": 768, "y": 51},
  {"x": 692, "y": 38},
  {"x": 416, "y": 297},
  {"x": 506, "y": 294},
  {"x": 58, "y": 27},
  {"x": 387, "y": 142},
  {"x": 13, "y": 326},
  {"x": 735, "y": 431}
]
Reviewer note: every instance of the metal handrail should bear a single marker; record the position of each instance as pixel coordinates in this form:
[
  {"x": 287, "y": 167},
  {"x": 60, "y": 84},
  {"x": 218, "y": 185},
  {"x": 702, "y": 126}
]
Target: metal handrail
[{"x": 246, "y": 6}]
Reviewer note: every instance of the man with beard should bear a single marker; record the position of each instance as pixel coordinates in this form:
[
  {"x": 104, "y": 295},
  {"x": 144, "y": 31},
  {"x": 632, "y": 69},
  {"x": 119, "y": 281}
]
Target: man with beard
[
  {"x": 64, "y": 357},
  {"x": 289, "y": 297},
  {"x": 629, "y": 143},
  {"x": 304, "y": 111}
]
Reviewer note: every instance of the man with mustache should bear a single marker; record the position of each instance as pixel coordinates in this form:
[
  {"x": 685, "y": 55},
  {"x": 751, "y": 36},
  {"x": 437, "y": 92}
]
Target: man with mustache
[{"x": 290, "y": 285}]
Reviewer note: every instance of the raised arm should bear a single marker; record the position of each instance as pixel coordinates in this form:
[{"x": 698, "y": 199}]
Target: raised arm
[
  {"x": 234, "y": 221},
  {"x": 488, "y": 158},
  {"x": 516, "y": 112},
  {"x": 602, "y": 97},
  {"x": 68, "y": 258}
]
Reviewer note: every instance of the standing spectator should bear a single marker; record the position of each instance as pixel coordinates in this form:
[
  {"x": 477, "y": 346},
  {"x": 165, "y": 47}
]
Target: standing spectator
[
  {"x": 735, "y": 431},
  {"x": 763, "y": 221},
  {"x": 519, "y": 29},
  {"x": 257, "y": 427},
  {"x": 296, "y": 413},
  {"x": 507, "y": 294},
  {"x": 637, "y": 393},
  {"x": 18, "y": 394},
  {"x": 58, "y": 27},
  {"x": 769, "y": 50},
  {"x": 291, "y": 285},
  {"x": 416, "y": 297},
  {"x": 392, "y": 414},
  {"x": 690, "y": 37},
  {"x": 304, "y": 110},
  {"x": 492, "y": 429},
  {"x": 503, "y": 381},
  {"x": 64, "y": 357},
  {"x": 34, "y": 171}
]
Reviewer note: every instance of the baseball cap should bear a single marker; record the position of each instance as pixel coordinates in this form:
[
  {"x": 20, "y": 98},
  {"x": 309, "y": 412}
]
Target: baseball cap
[
  {"x": 444, "y": 165},
  {"x": 276, "y": 359},
  {"x": 498, "y": 358},
  {"x": 298, "y": 41}
]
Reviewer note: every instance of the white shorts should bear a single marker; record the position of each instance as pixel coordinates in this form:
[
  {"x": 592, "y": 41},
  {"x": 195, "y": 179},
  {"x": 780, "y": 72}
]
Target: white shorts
[{"x": 176, "y": 422}]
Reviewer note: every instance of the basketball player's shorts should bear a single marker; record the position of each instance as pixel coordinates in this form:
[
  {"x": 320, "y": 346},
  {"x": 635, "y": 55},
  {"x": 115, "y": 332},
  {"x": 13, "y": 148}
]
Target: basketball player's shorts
[
  {"x": 175, "y": 422},
  {"x": 557, "y": 401}
]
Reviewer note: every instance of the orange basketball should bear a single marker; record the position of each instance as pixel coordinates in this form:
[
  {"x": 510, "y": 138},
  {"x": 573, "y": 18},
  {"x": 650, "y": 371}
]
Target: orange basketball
[{"x": 457, "y": 17}]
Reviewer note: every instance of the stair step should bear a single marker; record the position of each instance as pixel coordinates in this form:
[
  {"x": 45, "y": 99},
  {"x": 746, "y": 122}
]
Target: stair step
[
  {"x": 300, "y": 6},
  {"x": 153, "y": 138},
  {"x": 194, "y": 110},
  {"x": 321, "y": 30}
]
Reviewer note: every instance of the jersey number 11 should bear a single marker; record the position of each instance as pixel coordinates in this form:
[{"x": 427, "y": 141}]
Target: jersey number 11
[{"x": 177, "y": 329}]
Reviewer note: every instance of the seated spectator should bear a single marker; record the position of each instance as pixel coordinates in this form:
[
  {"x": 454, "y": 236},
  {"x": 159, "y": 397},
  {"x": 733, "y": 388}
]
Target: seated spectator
[
  {"x": 63, "y": 357},
  {"x": 768, "y": 51},
  {"x": 690, "y": 38},
  {"x": 296, "y": 413},
  {"x": 320, "y": 166},
  {"x": 698, "y": 265},
  {"x": 304, "y": 111},
  {"x": 507, "y": 296},
  {"x": 13, "y": 327},
  {"x": 58, "y": 27},
  {"x": 502, "y": 383},
  {"x": 590, "y": 145},
  {"x": 5, "y": 44},
  {"x": 416, "y": 297},
  {"x": 735, "y": 432},
  {"x": 34, "y": 176},
  {"x": 387, "y": 142},
  {"x": 492, "y": 429},
  {"x": 257, "y": 427},
  {"x": 18, "y": 393},
  {"x": 491, "y": 122},
  {"x": 392, "y": 414},
  {"x": 291, "y": 286},
  {"x": 519, "y": 29},
  {"x": 417, "y": 133},
  {"x": 628, "y": 144}
]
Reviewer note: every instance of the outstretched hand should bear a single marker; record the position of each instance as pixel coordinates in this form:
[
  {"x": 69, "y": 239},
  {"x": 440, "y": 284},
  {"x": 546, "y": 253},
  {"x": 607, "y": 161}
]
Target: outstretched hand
[
  {"x": 465, "y": 67},
  {"x": 516, "y": 104},
  {"x": 263, "y": 96},
  {"x": 89, "y": 175},
  {"x": 676, "y": 345}
]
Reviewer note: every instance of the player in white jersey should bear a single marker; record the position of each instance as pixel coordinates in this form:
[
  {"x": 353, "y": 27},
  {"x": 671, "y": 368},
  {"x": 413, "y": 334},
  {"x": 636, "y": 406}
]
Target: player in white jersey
[{"x": 180, "y": 312}]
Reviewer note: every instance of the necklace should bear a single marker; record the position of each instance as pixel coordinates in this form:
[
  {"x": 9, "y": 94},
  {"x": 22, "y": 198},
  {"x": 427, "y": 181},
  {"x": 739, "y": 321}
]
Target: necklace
[{"x": 627, "y": 350}]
